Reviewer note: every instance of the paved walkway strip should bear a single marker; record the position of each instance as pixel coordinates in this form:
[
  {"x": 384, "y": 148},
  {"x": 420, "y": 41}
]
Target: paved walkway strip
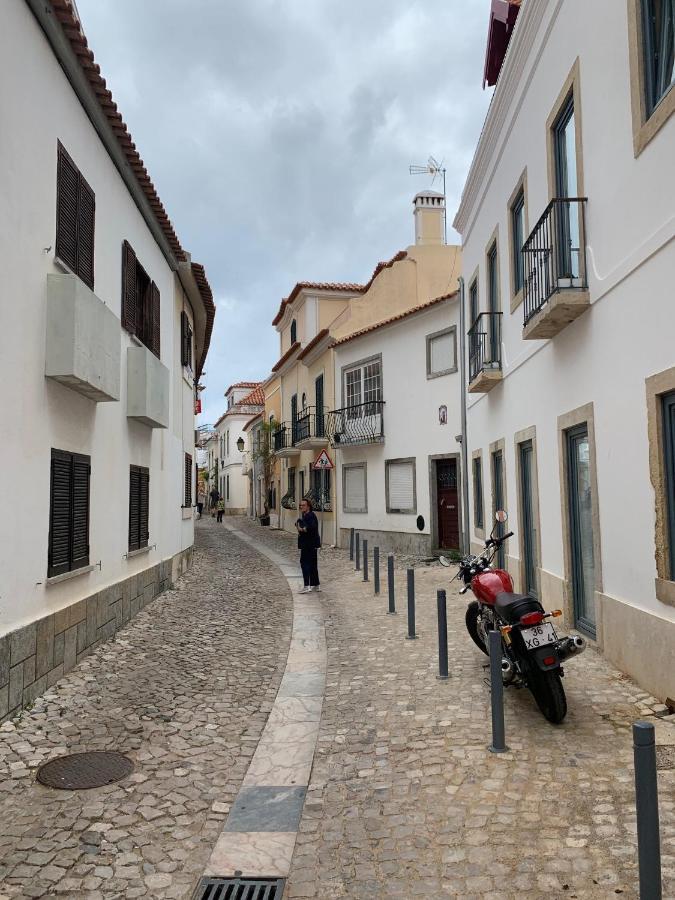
[{"x": 260, "y": 832}]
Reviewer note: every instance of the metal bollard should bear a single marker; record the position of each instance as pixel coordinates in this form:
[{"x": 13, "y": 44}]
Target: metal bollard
[
  {"x": 498, "y": 744},
  {"x": 442, "y": 635},
  {"x": 365, "y": 560},
  {"x": 647, "y": 807},
  {"x": 390, "y": 584},
  {"x": 358, "y": 551},
  {"x": 351, "y": 544},
  {"x": 376, "y": 569},
  {"x": 411, "y": 605}
]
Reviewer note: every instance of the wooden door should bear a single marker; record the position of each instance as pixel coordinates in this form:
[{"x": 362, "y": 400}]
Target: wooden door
[{"x": 447, "y": 499}]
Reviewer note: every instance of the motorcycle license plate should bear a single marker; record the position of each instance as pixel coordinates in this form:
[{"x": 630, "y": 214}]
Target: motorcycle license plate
[{"x": 539, "y": 636}]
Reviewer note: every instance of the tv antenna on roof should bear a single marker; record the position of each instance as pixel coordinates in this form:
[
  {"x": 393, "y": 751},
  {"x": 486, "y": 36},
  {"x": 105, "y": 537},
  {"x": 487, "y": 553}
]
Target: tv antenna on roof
[{"x": 436, "y": 170}]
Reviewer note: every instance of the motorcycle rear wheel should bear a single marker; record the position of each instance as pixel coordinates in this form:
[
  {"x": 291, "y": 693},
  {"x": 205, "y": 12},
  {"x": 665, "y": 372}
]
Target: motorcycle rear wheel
[
  {"x": 549, "y": 694},
  {"x": 471, "y": 619}
]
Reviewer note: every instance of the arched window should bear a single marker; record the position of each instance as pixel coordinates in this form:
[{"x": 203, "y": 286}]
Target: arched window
[{"x": 294, "y": 331}]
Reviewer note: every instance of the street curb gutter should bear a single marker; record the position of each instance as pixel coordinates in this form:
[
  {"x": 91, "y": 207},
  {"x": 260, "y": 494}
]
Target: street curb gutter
[{"x": 259, "y": 835}]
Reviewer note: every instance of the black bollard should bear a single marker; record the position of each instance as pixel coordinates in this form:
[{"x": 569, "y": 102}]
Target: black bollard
[
  {"x": 390, "y": 584},
  {"x": 376, "y": 569},
  {"x": 647, "y": 807},
  {"x": 358, "y": 552},
  {"x": 351, "y": 544},
  {"x": 497, "y": 694},
  {"x": 411, "y": 605},
  {"x": 365, "y": 560},
  {"x": 442, "y": 635}
]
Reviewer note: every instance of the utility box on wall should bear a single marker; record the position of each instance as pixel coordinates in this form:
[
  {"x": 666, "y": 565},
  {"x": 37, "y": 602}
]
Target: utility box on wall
[
  {"x": 82, "y": 341},
  {"x": 147, "y": 388}
]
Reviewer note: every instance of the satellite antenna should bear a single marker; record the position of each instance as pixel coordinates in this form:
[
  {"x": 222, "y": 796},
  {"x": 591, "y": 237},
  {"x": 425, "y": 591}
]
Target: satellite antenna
[{"x": 436, "y": 170}]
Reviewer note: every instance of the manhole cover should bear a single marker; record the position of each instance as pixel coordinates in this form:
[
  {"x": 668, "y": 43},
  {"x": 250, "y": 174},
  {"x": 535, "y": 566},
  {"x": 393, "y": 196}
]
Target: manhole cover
[
  {"x": 81, "y": 771},
  {"x": 665, "y": 757}
]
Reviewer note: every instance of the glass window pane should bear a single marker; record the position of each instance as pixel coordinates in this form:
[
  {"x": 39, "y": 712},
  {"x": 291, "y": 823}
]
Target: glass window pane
[
  {"x": 371, "y": 382},
  {"x": 518, "y": 229}
]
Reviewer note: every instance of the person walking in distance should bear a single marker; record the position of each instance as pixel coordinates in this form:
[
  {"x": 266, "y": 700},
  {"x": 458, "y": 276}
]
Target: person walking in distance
[
  {"x": 308, "y": 543},
  {"x": 214, "y": 499},
  {"x": 221, "y": 510}
]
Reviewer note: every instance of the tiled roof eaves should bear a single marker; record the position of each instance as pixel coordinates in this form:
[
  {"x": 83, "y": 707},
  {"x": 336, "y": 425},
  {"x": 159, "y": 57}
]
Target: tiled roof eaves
[
  {"x": 209, "y": 307},
  {"x": 243, "y": 384},
  {"x": 313, "y": 343},
  {"x": 287, "y": 355},
  {"x": 316, "y": 286},
  {"x": 402, "y": 315},
  {"x": 397, "y": 257},
  {"x": 255, "y": 398},
  {"x": 72, "y": 30}
]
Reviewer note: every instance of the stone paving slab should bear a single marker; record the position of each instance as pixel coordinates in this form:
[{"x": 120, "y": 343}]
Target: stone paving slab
[
  {"x": 185, "y": 690},
  {"x": 405, "y": 800}
]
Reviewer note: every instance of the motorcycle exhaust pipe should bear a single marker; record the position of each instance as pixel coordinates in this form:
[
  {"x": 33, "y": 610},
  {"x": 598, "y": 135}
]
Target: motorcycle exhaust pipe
[
  {"x": 571, "y": 646},
  {"x": 508, "y": 670}
]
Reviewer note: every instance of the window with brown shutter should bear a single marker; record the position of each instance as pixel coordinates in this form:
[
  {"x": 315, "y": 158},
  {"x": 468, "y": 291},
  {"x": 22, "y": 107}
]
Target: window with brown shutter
[
  {"x": 185, "y": 340},
  {"x": 188, "y": 481},
  {"x": 139, "y": 495},
  {"x": 68, "y": 512},
  {"x": 75, "y": 219},
  {"x": 140, "y": 301}
]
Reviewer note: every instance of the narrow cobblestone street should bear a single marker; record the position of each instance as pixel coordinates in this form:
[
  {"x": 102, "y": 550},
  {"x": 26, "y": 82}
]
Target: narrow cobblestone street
[
  {"x": 404, "y": 799},
  {"x": 184, "y": 690}
]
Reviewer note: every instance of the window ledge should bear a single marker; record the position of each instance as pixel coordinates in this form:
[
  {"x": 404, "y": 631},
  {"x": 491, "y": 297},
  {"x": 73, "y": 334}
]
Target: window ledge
[
  {"x": 665, "y": 591},
  {"x": 139, "y": 552},
  {"x": 188, "y": 378},
  {"x": 66, "y": 576},
  {"x": 431, "y": 375}
]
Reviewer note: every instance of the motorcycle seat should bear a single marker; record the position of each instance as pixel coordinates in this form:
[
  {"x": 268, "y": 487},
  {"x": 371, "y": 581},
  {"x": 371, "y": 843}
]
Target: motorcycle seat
[{"x": 512, "y": 606}]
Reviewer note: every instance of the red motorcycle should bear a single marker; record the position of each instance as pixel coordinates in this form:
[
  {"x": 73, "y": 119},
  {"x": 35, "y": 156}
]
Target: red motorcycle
[{"x": 532, "y": 652}]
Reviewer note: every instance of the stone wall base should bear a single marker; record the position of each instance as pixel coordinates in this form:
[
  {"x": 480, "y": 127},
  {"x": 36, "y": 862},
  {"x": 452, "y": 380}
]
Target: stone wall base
[
  {"x": 404, "y": 542},
  {"x": 35, "y": 656}
]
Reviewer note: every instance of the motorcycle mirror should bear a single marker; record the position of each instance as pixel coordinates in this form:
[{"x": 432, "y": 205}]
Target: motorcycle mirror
[{"x": 501, "y": 516}]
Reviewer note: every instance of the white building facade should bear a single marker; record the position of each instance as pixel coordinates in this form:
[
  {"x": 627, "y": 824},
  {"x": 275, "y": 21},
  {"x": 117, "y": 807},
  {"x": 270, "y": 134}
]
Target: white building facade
[
  {"x": 245, "y": 400},
  {"x": 568, "y": 220},
  {"x": 398, "y": 460},
  {"x": 106, "y": 324}
]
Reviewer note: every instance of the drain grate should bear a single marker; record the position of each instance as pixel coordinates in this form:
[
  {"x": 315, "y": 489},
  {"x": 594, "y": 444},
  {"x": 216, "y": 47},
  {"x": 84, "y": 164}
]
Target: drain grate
[
  {"x": 83, "y": 771},
  {"x": 239, "y": 889}
]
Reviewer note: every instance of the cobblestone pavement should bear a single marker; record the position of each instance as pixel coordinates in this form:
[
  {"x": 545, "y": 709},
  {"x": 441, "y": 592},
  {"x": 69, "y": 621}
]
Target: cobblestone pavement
[
  {"x": 405, "y": 800},
  {"x": 184, "y": 690}
]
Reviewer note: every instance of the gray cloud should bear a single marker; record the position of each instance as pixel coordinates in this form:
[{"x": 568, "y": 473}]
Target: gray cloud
[{"x": 279, "y": 136}]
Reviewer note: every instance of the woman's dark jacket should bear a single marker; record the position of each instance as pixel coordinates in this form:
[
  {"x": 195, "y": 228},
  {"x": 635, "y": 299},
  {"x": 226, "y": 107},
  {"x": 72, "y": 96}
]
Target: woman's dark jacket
[{"x": 309, "y": 540}]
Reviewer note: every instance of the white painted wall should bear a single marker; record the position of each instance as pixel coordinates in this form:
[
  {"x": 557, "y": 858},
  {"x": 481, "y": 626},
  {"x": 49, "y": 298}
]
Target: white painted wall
[
  {"x": 411, "y": 415},
  {"x": 37, "y": 108},
  {"x": 231, "y": 463},
  {"x": 605, "y": 356}
]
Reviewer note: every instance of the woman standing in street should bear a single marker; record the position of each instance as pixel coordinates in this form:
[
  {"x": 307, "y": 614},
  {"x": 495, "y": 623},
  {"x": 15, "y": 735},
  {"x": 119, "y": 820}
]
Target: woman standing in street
[{"x": 308, "y": 543}]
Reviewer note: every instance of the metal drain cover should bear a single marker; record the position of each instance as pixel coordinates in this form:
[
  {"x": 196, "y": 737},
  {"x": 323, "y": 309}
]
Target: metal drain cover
[
  {"x": 665, "y": 757},
  {"x": 239, "y": 889},
  {"x": 82, "y": 771}
]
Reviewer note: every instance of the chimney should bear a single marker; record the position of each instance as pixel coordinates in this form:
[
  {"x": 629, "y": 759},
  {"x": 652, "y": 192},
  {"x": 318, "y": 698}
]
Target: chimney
[{"x": 429, "y": 217}]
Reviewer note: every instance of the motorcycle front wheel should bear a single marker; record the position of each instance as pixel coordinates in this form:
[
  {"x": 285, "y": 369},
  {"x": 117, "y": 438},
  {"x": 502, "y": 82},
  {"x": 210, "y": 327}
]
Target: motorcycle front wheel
[
  {"x": 549, "y": 694},
  {"x": 471, "y": 619}
]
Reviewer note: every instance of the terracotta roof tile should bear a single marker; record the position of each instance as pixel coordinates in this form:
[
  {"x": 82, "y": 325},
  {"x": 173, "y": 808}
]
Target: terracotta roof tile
[
  {"x": 338, "y": 287},
  {"x": 287, "y": 355},
  {"x": 207, "y": 299},
  {"x": 255, "y": 398},
  {"x": 313, "y": 343},
  {"x": 396, "y": 318},
  {"x": 243, "y": 384}
]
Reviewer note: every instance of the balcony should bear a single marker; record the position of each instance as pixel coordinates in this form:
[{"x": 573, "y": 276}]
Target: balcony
[
  {"x": 288, "y": 500},
  {"x": 555, "y": 290},
  {"x": 148, "y": 384},
  {"x": 320, "y": 500},
  {"x": 83, "y": 340},
  {"x": 362, "y": 423},
  {"x": 485, "y": 352},
  {"x": 283, "y": 442},
  {"x": 310, "y": 428}
]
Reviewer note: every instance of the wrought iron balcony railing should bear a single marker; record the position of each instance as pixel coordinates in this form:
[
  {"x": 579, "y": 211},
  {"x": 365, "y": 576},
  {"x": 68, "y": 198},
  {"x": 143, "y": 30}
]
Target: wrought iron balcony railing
[
  {"x": 320, "y": 500},
  {"x": 282, "y": 437},
  {"x": 288, "y": 500},
  {"x": 310, "y": 424},
  {"x": 554, "y": 255},
  {"x": 362, "y": 423},
  {"x": 485, "y": 343}
]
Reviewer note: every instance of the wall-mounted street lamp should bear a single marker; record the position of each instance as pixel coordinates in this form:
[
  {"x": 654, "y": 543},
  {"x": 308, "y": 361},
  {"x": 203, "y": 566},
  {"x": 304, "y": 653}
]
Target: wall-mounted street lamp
[{"x": 240, "y": 445}]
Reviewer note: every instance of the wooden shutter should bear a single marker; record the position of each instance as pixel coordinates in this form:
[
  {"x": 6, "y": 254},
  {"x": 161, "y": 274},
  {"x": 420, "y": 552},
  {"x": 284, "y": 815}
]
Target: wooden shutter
[
  {"x": 129, "y": 311},
  {"x": 143, "y": 507},
  {"x": 154, "y": 319},
  {"x": 134, "y": 507},
  {"x": 67, "y": 180},
  {"x": 58, "y": 560},
  {"x": 86, "y": 215},
  {"x": 80, "y": 514},
  {"x": 355, "y": 489},
  {"x": 401, "y": 476},
  {"x": 184, "y": 352},
  {"x": 188, "y": 480}
]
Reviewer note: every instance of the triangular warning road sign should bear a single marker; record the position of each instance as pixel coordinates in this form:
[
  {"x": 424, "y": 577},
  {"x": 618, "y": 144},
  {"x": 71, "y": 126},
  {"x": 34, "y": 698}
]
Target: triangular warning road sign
[{"x": 323, "y": 461}]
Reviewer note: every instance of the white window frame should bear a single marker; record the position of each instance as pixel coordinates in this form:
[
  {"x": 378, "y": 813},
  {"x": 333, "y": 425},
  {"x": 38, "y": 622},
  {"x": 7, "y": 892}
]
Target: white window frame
[
  {"x": 345, "y": 468},
  {"x": 361, "y": 366}
]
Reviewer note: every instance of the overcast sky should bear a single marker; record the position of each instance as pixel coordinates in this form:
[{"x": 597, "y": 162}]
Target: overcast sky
[{"x": 279, "y": 133}]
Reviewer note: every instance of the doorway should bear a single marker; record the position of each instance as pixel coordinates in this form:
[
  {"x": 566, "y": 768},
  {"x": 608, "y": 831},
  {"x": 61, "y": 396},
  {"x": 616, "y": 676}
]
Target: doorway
[
  {"x": 526, "y": 451},
  {"x": 447, "y": 504},
  {"x": 498, "y": 502},
  {"x": 582, "y": 554}
]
